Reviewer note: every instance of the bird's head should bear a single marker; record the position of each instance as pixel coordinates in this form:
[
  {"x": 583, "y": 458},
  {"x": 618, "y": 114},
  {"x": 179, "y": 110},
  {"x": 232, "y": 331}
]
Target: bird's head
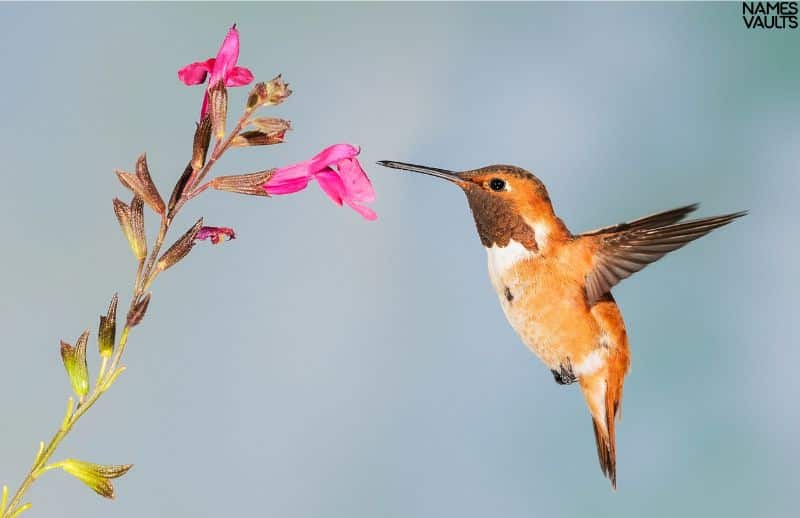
[{"x": 506, "y": 201}]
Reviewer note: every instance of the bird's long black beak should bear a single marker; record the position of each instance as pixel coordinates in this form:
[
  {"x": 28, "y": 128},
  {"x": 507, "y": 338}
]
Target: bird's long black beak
[{"x": 451, "y": 176}]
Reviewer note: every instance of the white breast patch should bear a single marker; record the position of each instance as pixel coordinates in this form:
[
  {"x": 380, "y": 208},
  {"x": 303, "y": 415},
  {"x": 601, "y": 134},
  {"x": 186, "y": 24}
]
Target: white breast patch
[{"x": 501, "y": 259}]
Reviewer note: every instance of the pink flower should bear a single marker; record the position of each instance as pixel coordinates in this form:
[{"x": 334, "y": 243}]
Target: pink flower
[
  {"x": 222, "y": 68},
  {"x": 337, "y": 172},
  {"x": 216, "y": 234}
]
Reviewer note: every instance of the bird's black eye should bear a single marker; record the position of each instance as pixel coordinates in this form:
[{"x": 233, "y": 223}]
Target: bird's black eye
[{"x": 496, "y": 184}]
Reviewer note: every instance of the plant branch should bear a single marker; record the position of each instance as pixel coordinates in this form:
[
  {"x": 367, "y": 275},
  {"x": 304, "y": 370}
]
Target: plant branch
[{"x": 110, "y": 369}]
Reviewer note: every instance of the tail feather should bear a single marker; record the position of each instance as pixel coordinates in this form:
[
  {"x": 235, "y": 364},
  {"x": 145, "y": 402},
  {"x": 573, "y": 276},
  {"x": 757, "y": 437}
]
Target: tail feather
[
  {"x": 604, "y": 395},
  {"x": 606, "y": 453},
  {"x": 603, "y": 388}
]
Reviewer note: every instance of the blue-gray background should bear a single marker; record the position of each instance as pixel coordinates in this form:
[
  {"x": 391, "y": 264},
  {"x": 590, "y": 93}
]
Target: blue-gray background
[{"x": 324, "y": 366}]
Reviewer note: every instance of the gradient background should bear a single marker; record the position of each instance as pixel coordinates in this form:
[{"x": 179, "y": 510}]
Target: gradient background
[{"x": 324, "y": 366}]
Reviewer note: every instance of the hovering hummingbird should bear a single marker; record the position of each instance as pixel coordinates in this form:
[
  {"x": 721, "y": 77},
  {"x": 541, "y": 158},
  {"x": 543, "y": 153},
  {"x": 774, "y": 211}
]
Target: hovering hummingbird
[{"x": 555, "y": 287}]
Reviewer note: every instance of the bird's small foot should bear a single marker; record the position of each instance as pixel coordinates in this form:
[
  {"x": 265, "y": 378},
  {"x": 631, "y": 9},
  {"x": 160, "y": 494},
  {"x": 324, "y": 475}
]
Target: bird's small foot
[{"x": 564, "y": 374}]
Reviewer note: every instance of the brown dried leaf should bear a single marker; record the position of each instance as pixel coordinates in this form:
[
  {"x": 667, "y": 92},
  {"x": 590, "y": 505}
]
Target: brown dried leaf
[
  {"x": 137, "y": 227},
  {"x": 142, "y": 184},
  {"x": 218, "y": 97},
  {"x": 202, "y": 140},
  {"x": 149, "y": 192},
  {"x": 128, "y": 180},
  {"x": 179, "y": 188},
  {"x": 250, "y": 184},
  {"x": 136, "y": 314},
  {"x": 179, "y": 248},
  {"x": 271, "y": 124},
  {"x": 257, "y": 138}
]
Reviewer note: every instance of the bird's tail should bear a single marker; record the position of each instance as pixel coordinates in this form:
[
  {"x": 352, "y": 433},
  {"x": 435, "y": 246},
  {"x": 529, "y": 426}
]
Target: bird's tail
[{"x": 603, "y": 393}]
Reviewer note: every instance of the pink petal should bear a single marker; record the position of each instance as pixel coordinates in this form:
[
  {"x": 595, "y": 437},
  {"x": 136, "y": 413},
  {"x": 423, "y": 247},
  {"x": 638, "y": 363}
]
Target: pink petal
[
  {"x": 332, "y": 185},
  {"x": 356, "y": 181},
  {"x": 238, "y": 76},
  {"x": 195, "y": 73},
  {"x": 204, "y": 108},
  {"x": 287, "y": 186},
  {"x": 227, "y": 56},
  {"x": 307, "y": 169},
  {"x": 366, "y": 212},
  {"x": 216, "y": 234},
  {"x": 332, "y": 155},
  {"x": 291, "y": 172}
]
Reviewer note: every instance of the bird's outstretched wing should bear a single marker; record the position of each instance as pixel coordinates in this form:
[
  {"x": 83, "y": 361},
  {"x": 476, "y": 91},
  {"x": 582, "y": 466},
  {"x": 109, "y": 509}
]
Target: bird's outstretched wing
[
  {"x": 621, "y": 250},
  {"x": 659, "y": 219}
]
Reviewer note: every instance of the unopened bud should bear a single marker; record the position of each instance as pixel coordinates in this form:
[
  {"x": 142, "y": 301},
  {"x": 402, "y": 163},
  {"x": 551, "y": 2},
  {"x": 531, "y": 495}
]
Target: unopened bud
[
  {"x": 218, "y": 96},
  {"x": 179, "y": 248},
  {"x": 74, "y": 359},
  {"x": 202, "y": 140},
  {"x": 270, "y": 93},
  {"x": 107, "y": 330},
  {"x": 96, "y": 476},
  {"x": 136, "y": 314}
]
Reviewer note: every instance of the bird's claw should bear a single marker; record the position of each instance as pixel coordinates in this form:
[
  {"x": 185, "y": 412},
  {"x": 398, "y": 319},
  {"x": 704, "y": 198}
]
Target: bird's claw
[{"x": 564, "y": 375}]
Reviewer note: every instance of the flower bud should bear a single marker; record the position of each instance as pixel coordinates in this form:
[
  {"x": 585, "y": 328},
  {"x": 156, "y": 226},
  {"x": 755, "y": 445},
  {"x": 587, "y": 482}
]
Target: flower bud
[
  {"x": 132, "y": 225},
  {"x": 202, "y": 140},
  {"x": 179, "y": 248},
  {"x": 277, "y": 90},
  {"x": 218, "y": 96},
  {"x": 3, "y": 500},
  {"x": 74, "y": 359},
  {"x": 258, "y": 138},
  {"x": 180, "y": 186},
  {"x": 216, "y": 234},
  {"x": 272, "y": 125},
  {"x": 136, "y": 314},
  {"x": 107, "y": 330},
  {"x": 270, "y": 93},
  {"x": 96, "y": 476}
]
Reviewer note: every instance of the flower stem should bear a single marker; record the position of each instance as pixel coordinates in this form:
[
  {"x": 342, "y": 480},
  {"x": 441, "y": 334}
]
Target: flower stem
[
  {"x": 145, "y": 275},
  {"x": 219, "y": 149}
]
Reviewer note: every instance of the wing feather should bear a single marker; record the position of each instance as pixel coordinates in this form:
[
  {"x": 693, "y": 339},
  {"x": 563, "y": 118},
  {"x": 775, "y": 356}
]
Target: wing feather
[
  {"x": 659, "y": 219},
  {"x": 628, "y": 247}
]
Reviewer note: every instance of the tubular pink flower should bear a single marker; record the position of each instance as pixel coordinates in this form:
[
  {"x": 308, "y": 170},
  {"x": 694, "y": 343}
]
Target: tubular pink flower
[
  {"x": 338, "y": 173},
  {"x": 216, "y": 234},
  {"x": 222, "y": 68}
]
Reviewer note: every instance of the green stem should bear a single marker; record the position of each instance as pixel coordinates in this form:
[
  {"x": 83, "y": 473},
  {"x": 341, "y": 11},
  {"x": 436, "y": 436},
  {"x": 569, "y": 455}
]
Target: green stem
[{"x": 145, "y": 275}]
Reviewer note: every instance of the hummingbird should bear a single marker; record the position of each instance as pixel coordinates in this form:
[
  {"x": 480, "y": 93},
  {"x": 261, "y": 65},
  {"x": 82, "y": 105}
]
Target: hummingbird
[{"x": 555, "y": 286}]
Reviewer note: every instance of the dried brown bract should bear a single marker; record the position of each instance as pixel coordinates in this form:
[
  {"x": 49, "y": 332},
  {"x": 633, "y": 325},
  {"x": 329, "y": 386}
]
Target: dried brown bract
[{"x": 251, "y": 183}]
